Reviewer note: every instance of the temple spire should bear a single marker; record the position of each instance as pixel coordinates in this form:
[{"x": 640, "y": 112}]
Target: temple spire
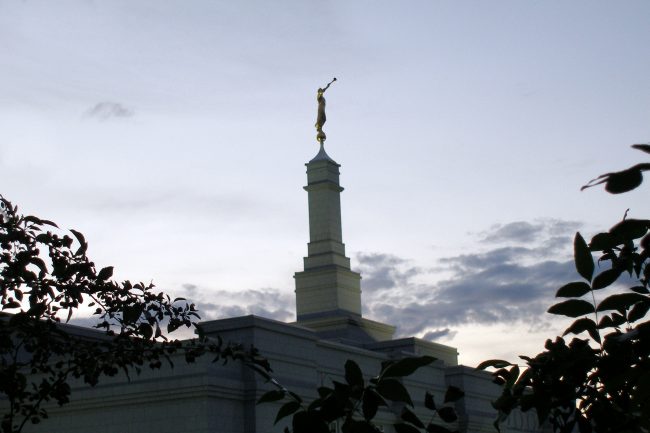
[{"x": 328, "y": 292}]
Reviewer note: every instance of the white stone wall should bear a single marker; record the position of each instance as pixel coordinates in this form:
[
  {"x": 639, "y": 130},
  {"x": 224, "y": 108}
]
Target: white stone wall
[{"x": 205, "y": 397}]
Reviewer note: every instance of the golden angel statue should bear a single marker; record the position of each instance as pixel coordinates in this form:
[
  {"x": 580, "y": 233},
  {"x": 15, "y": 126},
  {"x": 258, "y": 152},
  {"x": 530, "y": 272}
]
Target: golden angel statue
[{"x": 320, "y": 118}]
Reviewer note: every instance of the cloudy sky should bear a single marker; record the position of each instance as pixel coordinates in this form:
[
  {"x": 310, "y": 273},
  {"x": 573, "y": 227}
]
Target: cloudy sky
[{"x": 174, "y": 135}]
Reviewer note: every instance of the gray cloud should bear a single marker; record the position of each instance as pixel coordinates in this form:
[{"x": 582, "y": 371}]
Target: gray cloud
[
  {"x": 384, "y": 271},
  {"x": 218, "y": 304},
  {"x": 526, "y": 232},
  {"x": 510, "y": 283},
  {"x": 557, "y": 242},
  {"x": 108, "y": 110},
  {"x": 519, "y": 231},
  {"x": 439, "y": 334}
]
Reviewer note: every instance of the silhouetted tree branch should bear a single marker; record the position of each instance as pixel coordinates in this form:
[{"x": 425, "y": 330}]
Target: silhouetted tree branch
[
  {"x": 601, "y": 382},
  {"x": 45, "y": 276}
]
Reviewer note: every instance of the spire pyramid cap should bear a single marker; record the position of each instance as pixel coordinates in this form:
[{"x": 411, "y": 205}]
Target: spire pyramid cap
[{"x": 322, "y": 156}]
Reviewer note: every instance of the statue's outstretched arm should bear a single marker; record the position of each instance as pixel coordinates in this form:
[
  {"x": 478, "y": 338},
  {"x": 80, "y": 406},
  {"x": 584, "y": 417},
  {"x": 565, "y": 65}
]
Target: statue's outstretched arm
[{"x": 328, "y": 85}]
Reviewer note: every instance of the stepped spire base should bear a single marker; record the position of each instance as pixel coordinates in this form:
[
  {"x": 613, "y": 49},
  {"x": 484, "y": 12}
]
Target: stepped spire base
[{"x": 348, "y": 329}]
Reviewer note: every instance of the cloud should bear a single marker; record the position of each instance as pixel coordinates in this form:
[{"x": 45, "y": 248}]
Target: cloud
[
  {"x": 519, "y": 231},
  {"x": 439, "y": 334},
  {"x": 108, "y": 110},
  {"x": 384, "y": 271},
  {"x": 526, "y": 232},
  {"x": 219, "y": 304},
  {"x": 501, "y": 283}
]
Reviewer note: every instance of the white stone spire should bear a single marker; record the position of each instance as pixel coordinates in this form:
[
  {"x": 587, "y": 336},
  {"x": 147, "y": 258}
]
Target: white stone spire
[
  {"x": 327, "y": 286},
  {"x": 328, "y": 292}
]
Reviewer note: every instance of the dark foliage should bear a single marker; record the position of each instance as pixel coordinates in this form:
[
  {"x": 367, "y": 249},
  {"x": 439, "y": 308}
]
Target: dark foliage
[
  {"x": 45, "y": 276},
  {"x": 354, "y": 404},
  {"x": 625, "y": 180}
]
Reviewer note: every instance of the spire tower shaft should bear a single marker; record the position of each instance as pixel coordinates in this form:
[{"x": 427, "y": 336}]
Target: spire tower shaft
[{"x": 327, "y": 286}]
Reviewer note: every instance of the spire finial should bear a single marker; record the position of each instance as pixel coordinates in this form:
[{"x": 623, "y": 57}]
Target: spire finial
[{"x": 320, "y": 119}]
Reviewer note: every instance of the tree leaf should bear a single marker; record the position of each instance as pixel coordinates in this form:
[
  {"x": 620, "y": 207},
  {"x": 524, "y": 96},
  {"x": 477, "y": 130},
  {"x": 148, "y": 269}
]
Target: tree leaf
[
  {"x": 406, "y": 366},
  {"x": 638, "y": 311},
  {"x": 630, "y": 229},
  {"x": 582, "y": 257},
  {"x": 40, "y": 264},
  {"x": 496, "y": 363},
  {"x": 573, "y": 290},
  {"x": 618, "y": 319},
  {"x": 602, "y": 242},
  {"x": 572, "y": 308},
  {"x": 32, "y": 219},
  {"x": 429, "y": 401},
  {"x": 640, "y": 289},
  {"x": 505, "y": 403},
  {"x": 83, "y": 246},
  {"x": 49, "y": 223},
  {"x": 447, "y": 414},
  {"x": 453, "y": 394},
  {"x": 582, "y": 325},
  {"x": 619, "y": 181},
  {"x": 392, "y": 389},
  {"x": 353, "y": 375},
  {"x": 514, "y": 375},
  {"x": 370, "y": 403},
  {"x": 105, "y": 273},
  {"x": 523, "y": 381},
  {"x": 131, "y": 313},
  {"x": 146, "y": 330},
  {"x": 606, "y": 278},
  {"x": 621, "y": 301},
  {"x": 324, "y": 391},
  {"x": 37, "y": 310},
  {"x": 287, "y": 409},
  {"x": 606, "y": 322},
  {"x": 642, "y": 147},
  {"x": 410, "y": 417},
  {"x": 295, "y": 396},
  {"x": 341, "y": 390},
  {"x": 273, "y": 395}
]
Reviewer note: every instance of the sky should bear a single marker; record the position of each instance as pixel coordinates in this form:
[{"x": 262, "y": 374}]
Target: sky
[{"x": 174, "y": 136}]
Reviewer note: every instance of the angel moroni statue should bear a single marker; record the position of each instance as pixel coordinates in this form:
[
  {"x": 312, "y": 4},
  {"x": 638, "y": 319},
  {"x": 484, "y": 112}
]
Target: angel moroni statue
[{"x": 321, "y": 118}]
